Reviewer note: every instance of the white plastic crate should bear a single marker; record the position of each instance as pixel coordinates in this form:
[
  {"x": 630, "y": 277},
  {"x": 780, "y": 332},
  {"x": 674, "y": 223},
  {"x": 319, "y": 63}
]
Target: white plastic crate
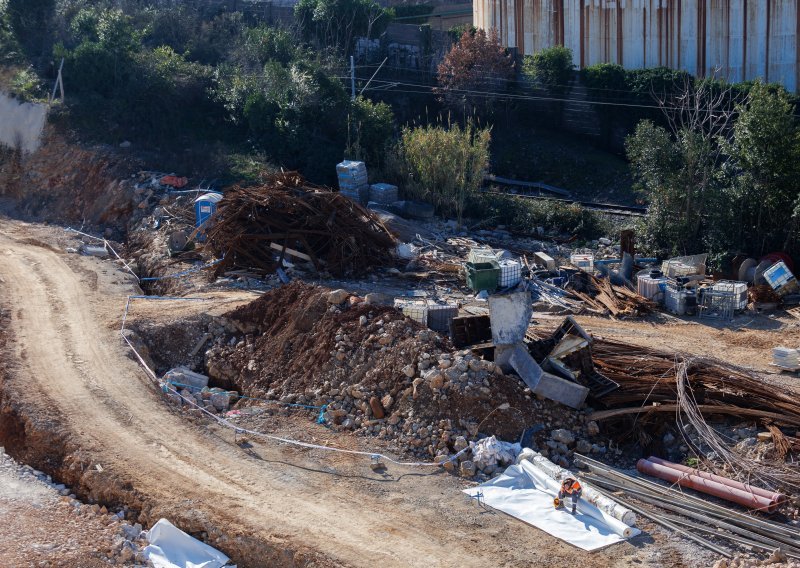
[
  {"x": 736, "y": 289},
  {"x": 440, "y": 316},
  {"x": 510, "y": 273},
  {"x": 417, "y": 310},
  {"x": 651, "y": 288},
  {"x": 786, "y": 358},
  {"x": 584, "y": 261}
]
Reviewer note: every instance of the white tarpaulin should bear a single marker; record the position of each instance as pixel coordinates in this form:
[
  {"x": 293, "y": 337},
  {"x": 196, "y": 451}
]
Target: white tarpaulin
[
  {"x": 170, "y": 547},
  {"x": 527, "y": 494}
]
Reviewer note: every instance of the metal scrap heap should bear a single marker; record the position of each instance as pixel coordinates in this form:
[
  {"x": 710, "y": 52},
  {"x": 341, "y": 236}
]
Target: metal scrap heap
[{"x": 257, "y": 228}]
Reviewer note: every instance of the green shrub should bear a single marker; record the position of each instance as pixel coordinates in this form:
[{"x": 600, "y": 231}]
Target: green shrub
[
  {"x": 445, "y": 166},
  {"x": 25, "y": 85},
  {"x": 526, "y": 215},
  {"x": 551, "y": 67}
]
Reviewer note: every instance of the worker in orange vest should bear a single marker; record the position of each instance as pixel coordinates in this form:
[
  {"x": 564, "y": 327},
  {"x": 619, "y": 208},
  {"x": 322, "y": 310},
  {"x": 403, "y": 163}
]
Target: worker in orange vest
[{"x": 570, "y": 486}]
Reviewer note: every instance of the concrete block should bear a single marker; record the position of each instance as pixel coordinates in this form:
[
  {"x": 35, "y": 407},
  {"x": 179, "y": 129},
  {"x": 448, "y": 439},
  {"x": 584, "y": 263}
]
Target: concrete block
[
  {"x": 544, "y": 260},
  {"x": 502, "y": 356},
  {"x": 186, "y": 378},
  {"x": 510, "y": 315},
  {"x": 525, "y": 366},
  {"x": 543, "y": 383},
  {"x": 561, "y": 390}
]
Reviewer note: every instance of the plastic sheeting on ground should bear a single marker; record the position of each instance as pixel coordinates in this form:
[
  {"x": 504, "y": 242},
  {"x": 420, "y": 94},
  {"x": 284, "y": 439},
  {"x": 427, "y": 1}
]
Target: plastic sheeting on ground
[
  {"x": 525, "y": 494},
  {"x": 170, "y": 547}
]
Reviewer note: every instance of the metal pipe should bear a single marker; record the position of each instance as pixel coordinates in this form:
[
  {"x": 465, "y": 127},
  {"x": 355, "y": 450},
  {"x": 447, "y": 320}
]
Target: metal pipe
[
  {"x": 731, "y": 494},
  {"x": 741, "y": 519},
  {"x": 773, "y": 541},
  {"x": 658, "y": 519},
  {"x": 770, "y": 495}
]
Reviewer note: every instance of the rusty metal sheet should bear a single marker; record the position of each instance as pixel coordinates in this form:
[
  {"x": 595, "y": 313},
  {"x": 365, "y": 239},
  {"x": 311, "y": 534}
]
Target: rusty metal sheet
[{"x": 733, "y": 39}]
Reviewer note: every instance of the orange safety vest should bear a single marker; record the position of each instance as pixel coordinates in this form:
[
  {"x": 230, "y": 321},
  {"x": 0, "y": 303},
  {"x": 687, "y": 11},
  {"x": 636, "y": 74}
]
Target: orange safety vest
[{"x": 570, "y": 489}]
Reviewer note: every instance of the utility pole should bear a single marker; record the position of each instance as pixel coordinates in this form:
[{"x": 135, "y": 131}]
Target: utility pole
[{"x": 352, "y": 78}]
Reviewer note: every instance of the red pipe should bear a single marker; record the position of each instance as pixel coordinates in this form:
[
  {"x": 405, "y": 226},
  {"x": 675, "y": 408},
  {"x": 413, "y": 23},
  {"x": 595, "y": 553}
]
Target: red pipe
[
  {"x": 732, "y": 494},
  {"x": 779, "y": 498}
]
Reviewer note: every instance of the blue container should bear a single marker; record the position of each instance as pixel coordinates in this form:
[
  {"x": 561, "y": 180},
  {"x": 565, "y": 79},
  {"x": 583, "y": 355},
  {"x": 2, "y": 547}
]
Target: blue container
[{"x": 204, "y": 207}]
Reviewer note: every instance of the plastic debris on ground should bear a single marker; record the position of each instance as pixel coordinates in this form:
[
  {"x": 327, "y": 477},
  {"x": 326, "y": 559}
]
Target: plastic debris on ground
[
  {"x": 170, "y": 547},
  {"x": 786, "y": 358},
  {"x": 491, "y": 451}
]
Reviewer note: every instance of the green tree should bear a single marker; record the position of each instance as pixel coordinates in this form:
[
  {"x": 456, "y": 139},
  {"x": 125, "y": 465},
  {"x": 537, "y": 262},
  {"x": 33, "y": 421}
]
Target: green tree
[
  {"x": 371, "y": 126},
  {"x": 551, "y": 67},
  {"x": 334, "y": 24},
  {"x": 445, "y": 166},
  {"x": 764, "y": 171},
  {"x": 31, "y": 21}
]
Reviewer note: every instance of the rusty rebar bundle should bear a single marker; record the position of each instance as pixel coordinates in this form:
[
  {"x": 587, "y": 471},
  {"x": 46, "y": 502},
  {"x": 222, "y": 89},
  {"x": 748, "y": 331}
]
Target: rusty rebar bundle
[{"x": 256, "y": 228}]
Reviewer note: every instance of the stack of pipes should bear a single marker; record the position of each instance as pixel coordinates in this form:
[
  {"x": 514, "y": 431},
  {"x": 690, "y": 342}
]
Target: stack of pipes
[
  {"x": 740, "y": 493},
  {"x": 694, "y": 516},
  {"x": 590, "y": 494}
]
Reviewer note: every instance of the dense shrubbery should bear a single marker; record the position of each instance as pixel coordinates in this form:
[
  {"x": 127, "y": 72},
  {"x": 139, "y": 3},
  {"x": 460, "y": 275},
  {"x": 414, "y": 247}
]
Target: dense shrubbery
[
  {"x": 526, "y": 215},
  {"x": 729, "y": 185}
]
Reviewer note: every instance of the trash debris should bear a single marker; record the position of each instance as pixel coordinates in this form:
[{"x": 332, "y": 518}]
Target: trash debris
[
  {"x": 786, "y": 358},
  {"x": 170, "y": 547},
  {"x": 257, "y": 227}
]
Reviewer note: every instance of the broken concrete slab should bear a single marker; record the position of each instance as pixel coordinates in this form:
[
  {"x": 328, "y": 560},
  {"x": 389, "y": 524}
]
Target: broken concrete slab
[
  {"x": 185, "y": 378},
  {"x": 510, "y": 315},
  {"x": 543, "y": 383},
  {"x": 528, "y": 370}
]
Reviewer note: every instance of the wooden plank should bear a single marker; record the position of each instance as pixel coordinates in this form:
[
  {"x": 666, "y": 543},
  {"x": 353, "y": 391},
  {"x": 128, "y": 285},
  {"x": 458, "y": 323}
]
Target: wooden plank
[{"x": 290, "y": 251}]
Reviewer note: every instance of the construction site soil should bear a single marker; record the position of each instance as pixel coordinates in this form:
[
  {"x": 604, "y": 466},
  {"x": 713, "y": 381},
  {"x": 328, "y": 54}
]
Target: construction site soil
[{"x": 77, "y": 405}]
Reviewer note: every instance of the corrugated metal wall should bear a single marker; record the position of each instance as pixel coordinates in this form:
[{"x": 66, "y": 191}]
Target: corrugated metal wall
[{"x": 735, "y": 39}]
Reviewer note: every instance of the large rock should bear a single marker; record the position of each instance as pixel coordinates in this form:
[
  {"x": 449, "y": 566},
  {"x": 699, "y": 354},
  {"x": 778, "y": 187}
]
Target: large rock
[
  {"x": 563, "y": 436},
  {"x": 377, "y": 408},
  {"x": 220, "y": 401},
  {"x": 467, "y": 469},
  {"x": 338, "y": 296}
]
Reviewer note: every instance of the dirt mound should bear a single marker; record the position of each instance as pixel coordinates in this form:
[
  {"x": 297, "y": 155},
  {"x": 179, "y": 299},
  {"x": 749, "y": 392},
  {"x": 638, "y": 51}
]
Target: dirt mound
[
  {"x": 377, "y": 372},
  {"x": 68, "y": 183}
]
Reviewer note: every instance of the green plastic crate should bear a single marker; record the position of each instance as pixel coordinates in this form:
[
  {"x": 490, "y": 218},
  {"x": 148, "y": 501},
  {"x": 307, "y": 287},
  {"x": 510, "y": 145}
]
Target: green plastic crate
[{"x": 483, "y": 275}]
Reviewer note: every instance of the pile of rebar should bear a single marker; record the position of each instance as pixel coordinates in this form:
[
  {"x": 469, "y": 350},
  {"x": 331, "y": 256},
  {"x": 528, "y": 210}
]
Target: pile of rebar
[
  {"x": 649, "y": 377},
  {"x": 688, "y": 390},
  {"x": 257, "y": 228},
  {"x": 718, "y": 528}
]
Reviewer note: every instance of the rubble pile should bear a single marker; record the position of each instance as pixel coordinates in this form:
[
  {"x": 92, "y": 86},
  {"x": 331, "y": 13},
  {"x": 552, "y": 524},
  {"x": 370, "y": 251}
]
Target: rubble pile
[
  {"x": 288, "y": 219},
  {"x": 380, "y": 374}
]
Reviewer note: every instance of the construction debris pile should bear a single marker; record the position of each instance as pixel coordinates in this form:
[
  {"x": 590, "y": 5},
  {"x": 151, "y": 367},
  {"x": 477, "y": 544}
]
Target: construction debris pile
[
  {"x": 380, "y": 374},
  {"x": 289, "y": 220},
  {"x": 657, "y": 385},
  {"x": 601, "y": 296}
]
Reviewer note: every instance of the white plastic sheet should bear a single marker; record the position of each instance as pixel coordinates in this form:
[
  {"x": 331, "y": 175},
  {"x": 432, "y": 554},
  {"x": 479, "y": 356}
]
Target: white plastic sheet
[
  {"x": 528, "y": 497},
  {"x": 170, "y": 547}
]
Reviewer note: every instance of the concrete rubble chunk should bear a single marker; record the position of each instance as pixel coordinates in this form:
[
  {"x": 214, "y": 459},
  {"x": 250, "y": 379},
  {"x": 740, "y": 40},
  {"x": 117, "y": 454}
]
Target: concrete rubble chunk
[
  {"x": 337, "y": 297},
  {"x": 377, "y": 407},
  {"x": 183, "y": 377},
  {"x": 563, "y": 436},
  {"x": 220, "y": 401},
  {"x": 544, "y": 384},
  {"x": 467, "y": 469},
  {"x": 510, "y": 315}
]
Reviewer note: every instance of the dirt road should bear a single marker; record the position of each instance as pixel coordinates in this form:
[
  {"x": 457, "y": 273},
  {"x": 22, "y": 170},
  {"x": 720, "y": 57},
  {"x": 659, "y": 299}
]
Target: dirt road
[{"x": 68, "y": 371}]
